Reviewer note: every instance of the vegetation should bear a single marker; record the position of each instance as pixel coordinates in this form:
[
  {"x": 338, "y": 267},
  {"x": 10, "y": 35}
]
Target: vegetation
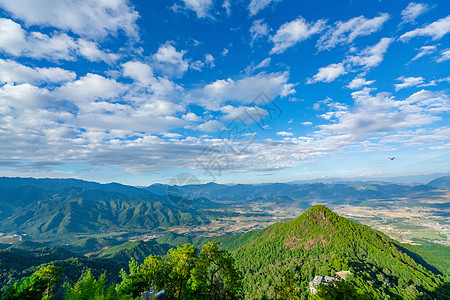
[
  {"x": 319, "y": 242},
  {"x": 37, "y": 286}
]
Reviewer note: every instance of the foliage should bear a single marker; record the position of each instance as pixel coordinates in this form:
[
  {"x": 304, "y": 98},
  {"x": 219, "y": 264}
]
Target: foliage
[
  {"x": 184, "y": 274},
  {"x": 37, "y": 286},
  {"x": 287, "y": 256},
  {"x": 214, "y": 274},
  {"x": 88, "y": 287},
  {"x": 343, "y": 290}
]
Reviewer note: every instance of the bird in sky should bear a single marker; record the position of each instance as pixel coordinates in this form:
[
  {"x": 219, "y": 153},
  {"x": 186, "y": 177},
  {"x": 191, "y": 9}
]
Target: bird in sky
[{"x": 392, "y": 158}]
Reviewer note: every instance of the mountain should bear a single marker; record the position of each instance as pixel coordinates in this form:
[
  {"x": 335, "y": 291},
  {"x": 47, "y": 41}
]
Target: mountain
[
  {"x": 286, "y": 256},
  {"x": 338, "y": 193},
  {"x": 57, "y": 215},
  {"x": 441, "y": 182},
  {"x": 51, "y": 184}
]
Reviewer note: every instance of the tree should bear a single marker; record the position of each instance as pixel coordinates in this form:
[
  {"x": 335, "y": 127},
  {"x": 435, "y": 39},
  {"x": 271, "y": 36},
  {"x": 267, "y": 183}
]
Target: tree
[
  {"x": 35, "y": 287},
  {"x": 214, "y": 275},
  {"x": 87, "y": 287},
  {"x": 180, "y": 262},
  {"x": 341, "y": 290}
]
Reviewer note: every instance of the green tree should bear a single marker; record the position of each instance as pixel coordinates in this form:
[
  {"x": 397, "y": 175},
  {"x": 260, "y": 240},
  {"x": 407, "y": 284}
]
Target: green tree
[
  {"x": 87, "y": 287},
  {"x": 35, "y": 287},
  {"x": 342, "y": 290},
  {"x": 215, "y": 275},
  {"x": 180, "y": 262}
]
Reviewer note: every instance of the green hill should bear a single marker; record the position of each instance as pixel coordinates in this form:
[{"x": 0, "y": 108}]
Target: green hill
[
  {"x": 58, "y": 215},
  {"x": 138, "y": 250},
  {"x": 286, "y": 256}
]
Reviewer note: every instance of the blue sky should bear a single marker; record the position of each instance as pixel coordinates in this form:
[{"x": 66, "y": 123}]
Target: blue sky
[{"x": 231, "y": 91}]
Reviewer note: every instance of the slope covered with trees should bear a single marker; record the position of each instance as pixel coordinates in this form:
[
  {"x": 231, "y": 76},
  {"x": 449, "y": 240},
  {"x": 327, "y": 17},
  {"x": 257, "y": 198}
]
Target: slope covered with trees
[{"x": 319, "y": 242}]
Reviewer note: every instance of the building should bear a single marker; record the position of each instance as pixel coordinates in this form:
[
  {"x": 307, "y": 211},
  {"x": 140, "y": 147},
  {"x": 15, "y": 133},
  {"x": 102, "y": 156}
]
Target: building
[{"x": 321, "y": 279}]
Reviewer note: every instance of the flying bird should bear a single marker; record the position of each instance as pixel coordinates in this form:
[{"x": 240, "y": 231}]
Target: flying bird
[{"x": 392, "y": 158}]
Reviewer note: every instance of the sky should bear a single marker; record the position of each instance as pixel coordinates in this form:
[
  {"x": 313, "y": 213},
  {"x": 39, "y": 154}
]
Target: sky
[{"x": 252, "y": 91}]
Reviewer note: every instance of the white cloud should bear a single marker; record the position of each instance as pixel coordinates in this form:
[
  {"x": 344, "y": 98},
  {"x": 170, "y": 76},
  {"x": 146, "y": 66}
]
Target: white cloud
[
  {"x": 328, "y": 73},
  {"x": 284, "y": 133},
  {"x": 227, "y": 5},
  {"x": 138, "y": 71},
  {"x": 346, "y": 32},
  {"x": 371, "y": 56},
  {"x": 191, "y": 117},
  {"x": 247, "y": 114},
  {"x": 201, "y": 7},
  {"x": 15, "y": 41},
  {"x": 224, "y": 52},
  {"x": 90, "y": 50},
  {"x": 263, "y": 64},
  {"x": 91, "y": 18},
  {"x": 359, "y": 82},
  {"x": 294, "y": 32},
  {"x": 210, "y": 61},
  {"x": 436, "y": 30},
  {"x": 256, "y": 5},
  {"x": 444, "y": 56},
  {"x": 412, "y": 11},
  {"x": 89, "y": 88},
  {"x": 307, "y": 123},
  {"x": 209, "y": 126},
  {"x": 258, "y": 30},
  {"x": 424, "y": 50},
  {"x": 13, "y": 72},
  {"x": 408, "y": 82},
  {"x": 244, "y": 90},
  {"x": 382, "y": 113},
  {"x": 169, "y": 61}
]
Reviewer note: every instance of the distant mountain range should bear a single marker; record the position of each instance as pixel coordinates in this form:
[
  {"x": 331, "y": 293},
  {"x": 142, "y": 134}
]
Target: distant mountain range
[{"x": 57, "y": 209}]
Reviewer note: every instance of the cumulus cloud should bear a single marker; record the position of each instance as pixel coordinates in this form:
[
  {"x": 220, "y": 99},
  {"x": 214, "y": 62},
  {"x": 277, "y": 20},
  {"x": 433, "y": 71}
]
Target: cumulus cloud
[
  {"x": 90, "y": 18},
  {"x": 140, "y": 72},
  {"x": 258, "y": 30},
  {"x": 89, "y": 88},
  {"x": 346, "y": 32},
  {"x": 328, "y": 73},
  {"x": 256, "y": 5},
  {"x": 359, "y": 82},
  {"x": 284, "y": 133},
  {"x": 200, "y": 7},
  {"x": 170, "y": 61},
  {"x": 209, "y": 126},
  {"x": 412, "y": 11},
  {"x": 407, "y": 82},
  {"x": 435, "y": 30},
  {"x": 382, "y": 113},
  {"x": 293, "y": 32},
  {"x": 371, "y": 56},
  {"x": 244, "y": 90},
  {"x": 15, "y": 41},
  {"x": 13, "y": 72}
]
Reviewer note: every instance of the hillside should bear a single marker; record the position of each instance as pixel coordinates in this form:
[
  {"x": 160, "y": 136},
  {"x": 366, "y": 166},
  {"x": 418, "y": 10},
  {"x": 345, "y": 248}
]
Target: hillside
[
  {"x": 286, "y": 256},
  {"x": 441, "y": 182},
  {"x": 56, "y": 215},
  {"x": 138, "y": 250},
  {"x": 22, "y": 259}
]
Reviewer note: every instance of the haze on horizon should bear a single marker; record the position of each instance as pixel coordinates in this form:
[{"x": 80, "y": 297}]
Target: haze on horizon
[{"x": 257, "y": 91}]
